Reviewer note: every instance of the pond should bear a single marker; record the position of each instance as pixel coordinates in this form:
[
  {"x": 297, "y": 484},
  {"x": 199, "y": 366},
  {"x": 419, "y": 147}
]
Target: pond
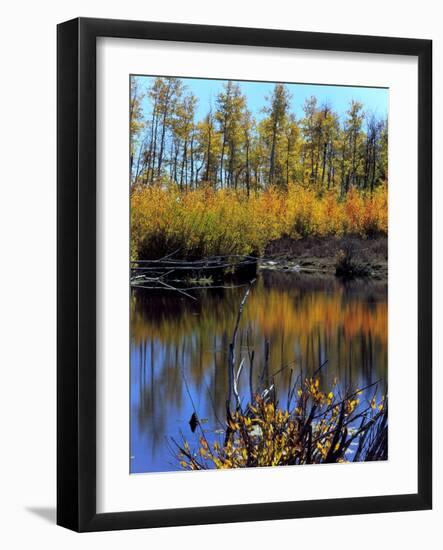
[{"x": 179, "y": 351}]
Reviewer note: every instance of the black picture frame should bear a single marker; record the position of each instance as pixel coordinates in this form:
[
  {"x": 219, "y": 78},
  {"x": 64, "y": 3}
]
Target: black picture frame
[{"x": 76, "y": 280}]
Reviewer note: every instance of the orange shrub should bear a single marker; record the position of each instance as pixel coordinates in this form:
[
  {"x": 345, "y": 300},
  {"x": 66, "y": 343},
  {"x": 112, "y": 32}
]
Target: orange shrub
[{"x": 206, "y": 222}]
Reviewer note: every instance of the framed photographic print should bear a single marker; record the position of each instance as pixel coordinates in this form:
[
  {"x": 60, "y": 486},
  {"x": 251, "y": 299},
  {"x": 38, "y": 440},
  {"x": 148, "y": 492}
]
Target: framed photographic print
[{"x": 244, "y": 274}]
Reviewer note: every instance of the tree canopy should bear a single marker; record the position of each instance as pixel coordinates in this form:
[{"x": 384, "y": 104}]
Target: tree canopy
[{"x": 230, "y": 148}]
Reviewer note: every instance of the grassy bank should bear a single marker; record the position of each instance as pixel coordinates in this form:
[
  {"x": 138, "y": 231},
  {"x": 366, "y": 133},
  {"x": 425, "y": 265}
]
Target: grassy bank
[
  {"x": 347, "y": 255},
  {"x": 206, "y": 222}
]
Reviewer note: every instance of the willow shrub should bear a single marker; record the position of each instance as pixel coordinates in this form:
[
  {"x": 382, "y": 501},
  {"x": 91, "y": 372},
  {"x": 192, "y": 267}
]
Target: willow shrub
[
  {"x": 321, "y": 427},
  {"x": 207, "y": 222}
]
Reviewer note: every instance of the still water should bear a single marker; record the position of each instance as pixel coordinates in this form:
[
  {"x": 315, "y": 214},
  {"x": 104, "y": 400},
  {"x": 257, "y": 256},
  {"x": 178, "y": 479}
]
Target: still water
[{"x": 179, "y": 351}]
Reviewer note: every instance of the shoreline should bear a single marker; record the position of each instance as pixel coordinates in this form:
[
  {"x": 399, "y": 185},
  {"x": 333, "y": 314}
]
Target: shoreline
[
  {"x": 319, "y": 255},
  {"x": 349, "y": 257}
]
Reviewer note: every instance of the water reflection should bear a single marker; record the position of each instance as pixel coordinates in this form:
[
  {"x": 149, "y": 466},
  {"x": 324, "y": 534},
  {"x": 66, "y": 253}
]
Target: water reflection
[{"x": 179, "y": 350}]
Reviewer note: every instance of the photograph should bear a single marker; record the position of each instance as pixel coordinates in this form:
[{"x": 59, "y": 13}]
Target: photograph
[
  {"x": 258, "y": 273},
  {"x": 235, "y": 316}
]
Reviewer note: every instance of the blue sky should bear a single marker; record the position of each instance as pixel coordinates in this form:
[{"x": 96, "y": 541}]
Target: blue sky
[{"x": 374, "y": 100}]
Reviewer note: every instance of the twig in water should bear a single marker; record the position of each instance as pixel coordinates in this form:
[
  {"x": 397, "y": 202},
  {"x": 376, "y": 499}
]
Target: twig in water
[
  {"x": 178, "y": 290},
  {"x": 231, "y": 358}
]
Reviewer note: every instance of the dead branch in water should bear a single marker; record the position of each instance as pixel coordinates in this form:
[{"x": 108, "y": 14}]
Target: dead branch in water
[
  {"x": 232, "y": 378},
  {"x": 184, "y": 275}
]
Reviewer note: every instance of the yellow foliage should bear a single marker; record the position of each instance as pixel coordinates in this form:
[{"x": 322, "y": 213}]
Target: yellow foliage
[
  {"x": 206, "y": 222},
  {"x": 319, "y": 429}
]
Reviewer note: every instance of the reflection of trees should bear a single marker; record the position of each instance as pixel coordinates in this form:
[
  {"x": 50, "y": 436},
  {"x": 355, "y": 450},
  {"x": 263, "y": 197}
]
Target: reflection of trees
[{"x": 305, "y": 320}]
